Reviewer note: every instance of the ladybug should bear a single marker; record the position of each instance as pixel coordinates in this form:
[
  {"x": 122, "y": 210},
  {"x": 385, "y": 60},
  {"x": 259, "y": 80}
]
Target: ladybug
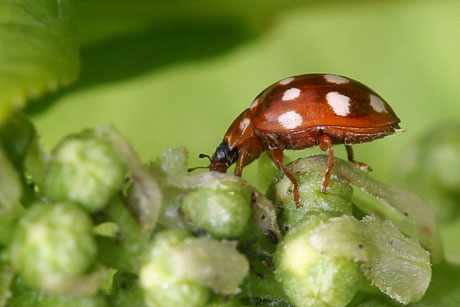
[{"x": 300, "y": 112}]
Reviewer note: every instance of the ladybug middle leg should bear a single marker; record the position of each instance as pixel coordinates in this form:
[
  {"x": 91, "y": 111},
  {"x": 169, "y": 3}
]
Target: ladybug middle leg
[
  {"x": 362, "y": 166},
  {"x": 277, "y": 157},
  {"x": 325, "y": 143}
]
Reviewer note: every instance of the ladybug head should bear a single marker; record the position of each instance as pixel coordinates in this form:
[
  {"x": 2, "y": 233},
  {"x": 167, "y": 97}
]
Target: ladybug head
[{"x": 223, "y": 158}]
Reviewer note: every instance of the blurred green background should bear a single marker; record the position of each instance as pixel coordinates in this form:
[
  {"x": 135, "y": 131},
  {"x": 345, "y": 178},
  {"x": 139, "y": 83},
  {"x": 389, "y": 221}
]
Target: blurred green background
[{"x": 176, "y": 73}]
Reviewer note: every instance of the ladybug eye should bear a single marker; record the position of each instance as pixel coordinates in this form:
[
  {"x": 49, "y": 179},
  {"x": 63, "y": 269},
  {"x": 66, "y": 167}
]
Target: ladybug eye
[{"x": 223, "y": 154}]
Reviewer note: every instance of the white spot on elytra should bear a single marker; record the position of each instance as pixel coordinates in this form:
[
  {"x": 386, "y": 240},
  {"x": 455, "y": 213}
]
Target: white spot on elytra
[
  {"x": 254, "y": 104},
  {"x": 340, "y": 103},
  {"x": 244, "y": 124},
  {"x": 336, "y": 79},
  {"x": 291, "y": 93},
  {"x": 377, "y": 104},
  {"x": 290, "y": 120},
  {"x": 286, "y": 81}
]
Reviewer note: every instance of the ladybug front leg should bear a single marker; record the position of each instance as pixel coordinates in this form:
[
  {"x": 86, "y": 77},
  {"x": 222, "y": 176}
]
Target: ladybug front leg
[
  {"x": 240, "y": 163},
  {"x": 362, "y": 166},
  {"x": 248, "y": 152},
  {"x": 325, "y": 143},
  {"x": 277, "y": 157}
]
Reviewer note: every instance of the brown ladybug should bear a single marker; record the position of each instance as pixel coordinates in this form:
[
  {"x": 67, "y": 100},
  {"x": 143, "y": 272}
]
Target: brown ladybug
[{"x": 304, "y": 111}]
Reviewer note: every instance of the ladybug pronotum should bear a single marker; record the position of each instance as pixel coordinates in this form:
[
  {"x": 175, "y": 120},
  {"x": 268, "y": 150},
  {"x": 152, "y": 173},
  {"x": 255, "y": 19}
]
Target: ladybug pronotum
[{"x": 303, "y": 111}]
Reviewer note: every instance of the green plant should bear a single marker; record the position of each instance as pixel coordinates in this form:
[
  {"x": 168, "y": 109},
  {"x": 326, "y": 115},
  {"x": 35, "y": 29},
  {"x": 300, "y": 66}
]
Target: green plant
[
  {"x": 90, "y": 225},
  {"x": 192, "y": 238}
]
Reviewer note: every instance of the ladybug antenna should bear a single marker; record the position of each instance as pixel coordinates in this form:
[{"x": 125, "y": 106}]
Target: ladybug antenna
[
  {"x": 196, "y": 167},
  {"x": 201, "y": 156}
]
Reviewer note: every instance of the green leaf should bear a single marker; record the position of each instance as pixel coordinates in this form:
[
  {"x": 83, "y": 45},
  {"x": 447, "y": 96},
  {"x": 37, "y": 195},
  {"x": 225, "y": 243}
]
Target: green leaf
[
  {"x": 17, "y": 135},
  {"x": 124, "y": 17},
  {"x": 37, "y": 51},
  {"x": 10, "y": 182},
  {"x": 8, "y": 221},
  {"x": 444, "y": 289},
  {"x": 214, "y": 264},
  {"x": 397, "y": 265}
]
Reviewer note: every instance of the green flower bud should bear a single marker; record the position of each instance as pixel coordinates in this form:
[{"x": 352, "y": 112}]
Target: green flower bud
[
  {"x": 309, "y": 277},
  {"x": 52, "y": 242},
  {"x": 222, "y": 210},
  {"x": 337, "y": 200},
  {"x": 180, "y": 269},
  {"x": 263, "y": 212},
  {"x": 172, "y": 161},
  {"x": 25, "y": 296},
  {"x": 161, "y": 285},
  {"x": 85, "y": 169}
]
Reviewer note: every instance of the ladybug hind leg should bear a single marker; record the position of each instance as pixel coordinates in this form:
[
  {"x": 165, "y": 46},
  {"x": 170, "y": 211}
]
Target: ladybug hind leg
[
  {"x": 362, "y": 166},
  {"x": 277, "y": 157}
]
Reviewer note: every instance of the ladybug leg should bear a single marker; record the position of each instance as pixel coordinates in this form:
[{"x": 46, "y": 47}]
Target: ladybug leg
[
  {"x": 277, "y": 157},
  {"x": 240, "y": 163},
  {"x": 362, "y": 166},
  {"x": 325, "y": 143},
  {"x": 247, "y": 153}
]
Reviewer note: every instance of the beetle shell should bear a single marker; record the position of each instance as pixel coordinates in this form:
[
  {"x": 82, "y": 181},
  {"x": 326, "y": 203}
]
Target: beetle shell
[
  {"x": 302, "y": 111},
  {"x": 293, "y": 112}
]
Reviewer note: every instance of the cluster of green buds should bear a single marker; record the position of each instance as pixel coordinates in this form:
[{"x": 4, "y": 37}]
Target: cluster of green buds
[{"x": 90, "y": 225}]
